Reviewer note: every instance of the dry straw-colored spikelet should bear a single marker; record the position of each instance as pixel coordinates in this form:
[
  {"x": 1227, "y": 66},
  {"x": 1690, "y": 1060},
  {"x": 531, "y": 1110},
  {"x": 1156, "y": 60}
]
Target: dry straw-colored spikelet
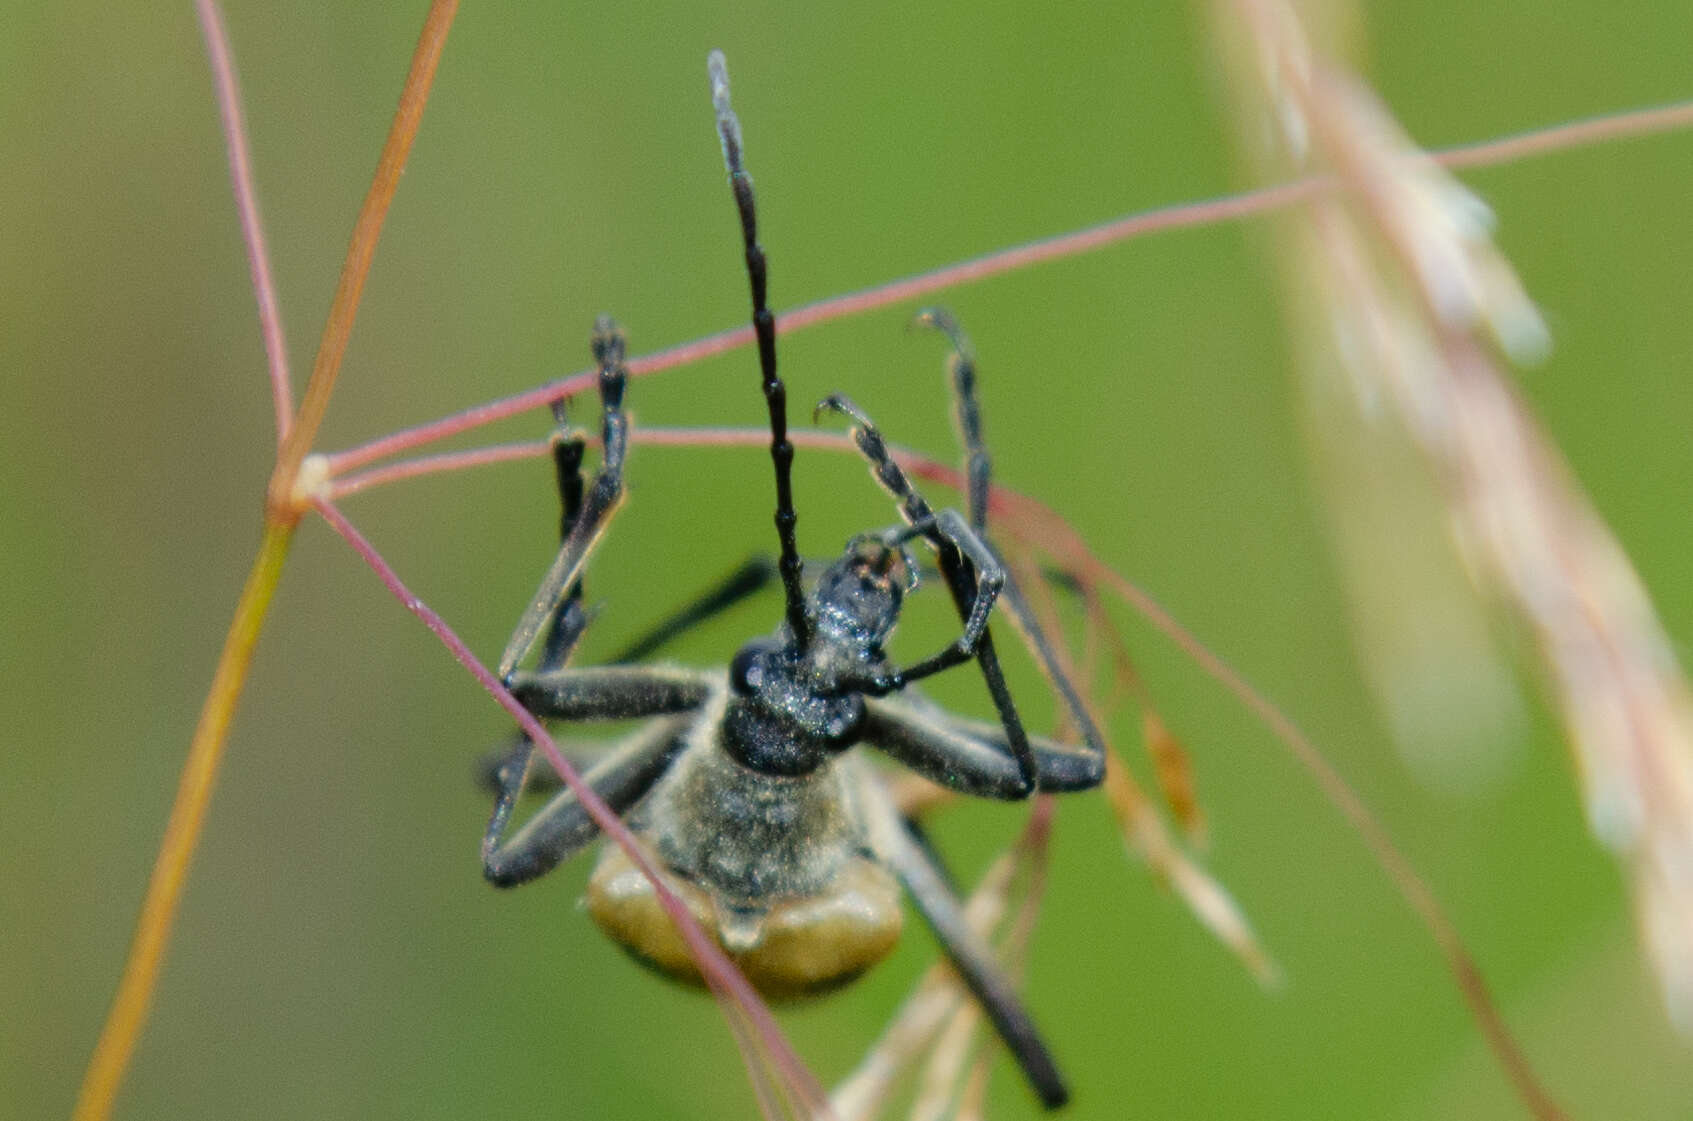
[
  {"x": 1403, "y": 282},
  {"x": 1147, "y": 835}
]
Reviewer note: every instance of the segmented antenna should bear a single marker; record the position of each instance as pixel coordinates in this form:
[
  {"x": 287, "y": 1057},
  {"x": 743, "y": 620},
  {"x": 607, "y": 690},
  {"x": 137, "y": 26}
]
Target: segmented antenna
[{"x": 764, "y": 326}]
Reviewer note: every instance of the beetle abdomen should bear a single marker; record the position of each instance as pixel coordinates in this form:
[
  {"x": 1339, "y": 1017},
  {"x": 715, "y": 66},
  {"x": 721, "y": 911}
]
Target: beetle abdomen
[{"x": 794, "y": 947}]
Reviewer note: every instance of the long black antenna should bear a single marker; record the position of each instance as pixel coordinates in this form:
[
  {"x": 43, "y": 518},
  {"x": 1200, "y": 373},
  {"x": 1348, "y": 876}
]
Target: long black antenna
[{"x": 764, "y": 326}]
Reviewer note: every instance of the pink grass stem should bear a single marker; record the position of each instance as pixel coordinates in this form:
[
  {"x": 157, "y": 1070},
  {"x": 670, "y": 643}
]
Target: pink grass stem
[
  {"x": 1574, "y": 134},
  {"x": 496, "y": 410},
  {"x": 725, "y": 978},
  {"x": 247, "y": 205},
  {"x": 435, "y": 465},
  {"x": 839, "y": 307},
  {"x": 403, "y": 469},
  {"x": 1581, "y": 133}
]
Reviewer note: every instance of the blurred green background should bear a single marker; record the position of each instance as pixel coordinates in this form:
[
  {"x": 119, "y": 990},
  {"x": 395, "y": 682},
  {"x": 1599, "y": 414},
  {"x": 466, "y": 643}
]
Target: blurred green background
[{"x": 338, "y": 954}]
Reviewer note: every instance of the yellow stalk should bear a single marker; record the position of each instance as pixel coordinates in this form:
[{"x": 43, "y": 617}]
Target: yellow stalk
[{"x": 170, "y": 872}]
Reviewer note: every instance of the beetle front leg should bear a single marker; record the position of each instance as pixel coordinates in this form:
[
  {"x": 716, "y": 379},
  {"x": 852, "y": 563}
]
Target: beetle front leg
[
  {"x": 557, "y": 599},
  {"x": 972, "y": 572}
]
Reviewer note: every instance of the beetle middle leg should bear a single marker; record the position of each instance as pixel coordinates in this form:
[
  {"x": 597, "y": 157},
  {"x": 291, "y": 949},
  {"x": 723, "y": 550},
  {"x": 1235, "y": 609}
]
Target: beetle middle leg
[{"x": 750, "y": 577}]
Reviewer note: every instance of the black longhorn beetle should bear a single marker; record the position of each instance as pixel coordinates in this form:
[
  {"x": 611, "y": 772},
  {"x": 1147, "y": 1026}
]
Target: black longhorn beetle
[{"x": 786, "y": 846}]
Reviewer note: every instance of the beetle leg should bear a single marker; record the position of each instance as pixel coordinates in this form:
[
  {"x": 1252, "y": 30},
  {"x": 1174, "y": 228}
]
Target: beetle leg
[
  {"x": 969, "y": 954},
  {"x": 562, "y": 826}
]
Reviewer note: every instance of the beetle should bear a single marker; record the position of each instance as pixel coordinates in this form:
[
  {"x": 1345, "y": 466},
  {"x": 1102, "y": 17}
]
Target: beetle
[{"x": 785, "y": 844}]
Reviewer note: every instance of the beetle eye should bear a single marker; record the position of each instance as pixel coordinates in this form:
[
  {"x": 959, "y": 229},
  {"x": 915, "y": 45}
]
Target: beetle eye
[{"x": 746, "y": 671}]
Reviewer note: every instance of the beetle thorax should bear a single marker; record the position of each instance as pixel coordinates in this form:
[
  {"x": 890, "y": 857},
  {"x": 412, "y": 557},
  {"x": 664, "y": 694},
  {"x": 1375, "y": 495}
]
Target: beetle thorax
[{"x": 751, "y": 836}]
